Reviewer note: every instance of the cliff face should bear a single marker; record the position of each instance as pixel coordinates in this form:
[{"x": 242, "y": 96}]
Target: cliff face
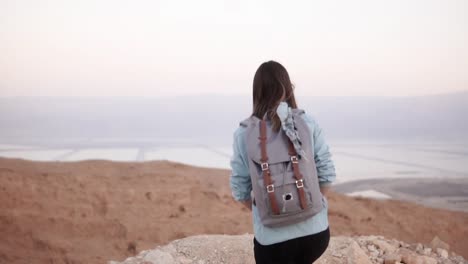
[{"x": 215, "y": 249}]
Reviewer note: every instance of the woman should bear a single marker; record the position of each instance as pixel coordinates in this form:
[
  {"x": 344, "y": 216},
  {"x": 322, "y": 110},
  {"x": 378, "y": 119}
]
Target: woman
[{"x": 305, "y": 241}]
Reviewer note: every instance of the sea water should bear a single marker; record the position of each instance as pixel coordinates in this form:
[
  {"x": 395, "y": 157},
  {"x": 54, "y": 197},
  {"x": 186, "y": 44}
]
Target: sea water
[{"x": 353, "y": 161}]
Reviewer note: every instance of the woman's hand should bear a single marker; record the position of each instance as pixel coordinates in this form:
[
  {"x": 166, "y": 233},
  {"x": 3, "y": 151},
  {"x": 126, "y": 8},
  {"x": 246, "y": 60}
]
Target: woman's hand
[
  {"x": 248, "y": 204},
  {"x": 324, "y": 190}
]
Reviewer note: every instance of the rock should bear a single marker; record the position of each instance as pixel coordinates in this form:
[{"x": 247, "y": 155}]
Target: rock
[
  {"x": 411, "y": 259},
  {"x": 427, "y": 251},
  {"x": 373, "y": 251},
  {"x": 392, "y": 259},
  {"x": 442, "y": 252},
  {"x": 428, "y": 260},
  {"x": 214, "y": 249},
  {"x": 437, "y": 243},
  {"x": 203, "y": 249},
  {"x": 159, "y": 257},
  {"x": 385, "y": 247},
  {"x": 417, "y": 259},
  {"x": 419, "y": 248},
  {"x": 183, "y": 260},
  {"x": 350, "y": 249}
]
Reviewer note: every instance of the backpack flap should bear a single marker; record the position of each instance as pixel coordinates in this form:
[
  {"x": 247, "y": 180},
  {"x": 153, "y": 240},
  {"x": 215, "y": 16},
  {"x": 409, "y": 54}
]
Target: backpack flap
[{"x": 277, "y": 144}]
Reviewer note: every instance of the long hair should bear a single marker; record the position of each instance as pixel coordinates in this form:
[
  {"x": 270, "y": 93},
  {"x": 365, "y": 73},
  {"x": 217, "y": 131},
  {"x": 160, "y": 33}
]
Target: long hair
[{"x": 271, "y": 85}]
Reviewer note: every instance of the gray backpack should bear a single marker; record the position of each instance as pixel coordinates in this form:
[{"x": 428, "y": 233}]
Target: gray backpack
[{"x": 285, "y": 185}]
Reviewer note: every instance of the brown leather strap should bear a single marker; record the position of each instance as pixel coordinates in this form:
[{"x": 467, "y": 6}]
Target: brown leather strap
[
  {"x": 266, "y": 171},
  {"x": 263, "y": 138},
  {"x": 297, "y": 175}
]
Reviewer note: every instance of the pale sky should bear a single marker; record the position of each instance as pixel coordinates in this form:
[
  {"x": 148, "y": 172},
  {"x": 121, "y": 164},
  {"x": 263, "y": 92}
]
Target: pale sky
[{"x": 173, "y": 47}]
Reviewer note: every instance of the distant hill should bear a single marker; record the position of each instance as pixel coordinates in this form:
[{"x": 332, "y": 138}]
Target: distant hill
[{"x": 211, "y": 119}]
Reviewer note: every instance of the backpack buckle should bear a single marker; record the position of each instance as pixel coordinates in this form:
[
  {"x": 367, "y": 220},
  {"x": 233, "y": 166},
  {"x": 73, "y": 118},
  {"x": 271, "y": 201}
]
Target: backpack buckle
[
  {"x": 270, "y": 188},
  {"x": 294, "y": 159},
  {"x": 300, "y": 183},
  {"x": 264, "y": 166}
]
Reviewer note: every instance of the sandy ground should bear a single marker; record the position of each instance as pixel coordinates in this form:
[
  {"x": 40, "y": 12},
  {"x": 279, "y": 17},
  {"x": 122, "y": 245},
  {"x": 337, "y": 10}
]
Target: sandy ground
[{"x": 93, "y": 211}]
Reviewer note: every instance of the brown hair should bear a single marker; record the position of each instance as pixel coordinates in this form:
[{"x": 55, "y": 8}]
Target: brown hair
[{"x": 271, "y": 85}]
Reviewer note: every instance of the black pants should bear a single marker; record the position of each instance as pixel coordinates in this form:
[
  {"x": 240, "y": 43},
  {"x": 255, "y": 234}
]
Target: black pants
[{"x": 301, "y": 250}]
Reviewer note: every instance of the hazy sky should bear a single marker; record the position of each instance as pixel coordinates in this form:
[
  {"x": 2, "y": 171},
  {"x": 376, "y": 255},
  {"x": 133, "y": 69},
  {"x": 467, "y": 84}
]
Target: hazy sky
[{"x": 160, "y": 48}]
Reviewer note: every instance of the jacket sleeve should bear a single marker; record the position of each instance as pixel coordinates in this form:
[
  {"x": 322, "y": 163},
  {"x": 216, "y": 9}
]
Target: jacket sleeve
[
  {"x": 240, "y": 182},
  {"x": 325, "y": 166}
]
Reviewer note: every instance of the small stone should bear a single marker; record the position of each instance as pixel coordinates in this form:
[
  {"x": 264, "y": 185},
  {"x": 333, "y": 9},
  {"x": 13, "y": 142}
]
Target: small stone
[
  {"x": 428, "y": 260},
  {"x": 357, "y": 254},
  {"x": 442, "y": 252},
  {"x": 419, "y": 247},
  {"x": 335, "y": 254},
  {"x": 160, "y": 257},
  {"x": 414, "y": 259},
  {"x": 446, "y": 261},
  {"x": 385, "y": 247},
  {"x": 411, "y": 259},
  {"x": 438, "y": 243},
  {"x": 371, "y": 248},
  {"x": 183, "y": 260},
  {"x": 392, "y": 259},
  {"x": 427, "y": 251},
  {"x": 374, "y": 254}
]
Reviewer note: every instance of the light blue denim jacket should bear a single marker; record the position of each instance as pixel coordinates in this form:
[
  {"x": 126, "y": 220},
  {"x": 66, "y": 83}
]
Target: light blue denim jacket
[{"x": 241, "y": 186}]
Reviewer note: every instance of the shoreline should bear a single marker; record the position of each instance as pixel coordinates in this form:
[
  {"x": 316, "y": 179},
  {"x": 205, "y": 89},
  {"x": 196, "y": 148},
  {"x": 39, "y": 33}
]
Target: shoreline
[{"x": 448, "y": 193}]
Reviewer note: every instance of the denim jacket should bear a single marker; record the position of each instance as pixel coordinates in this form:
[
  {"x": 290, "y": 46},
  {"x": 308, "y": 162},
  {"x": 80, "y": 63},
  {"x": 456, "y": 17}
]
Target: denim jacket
[{"x": 241, "y": 186}]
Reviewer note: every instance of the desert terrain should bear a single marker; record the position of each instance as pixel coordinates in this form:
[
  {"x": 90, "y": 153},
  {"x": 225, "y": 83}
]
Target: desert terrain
[{"x": 94, "y": 211}]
